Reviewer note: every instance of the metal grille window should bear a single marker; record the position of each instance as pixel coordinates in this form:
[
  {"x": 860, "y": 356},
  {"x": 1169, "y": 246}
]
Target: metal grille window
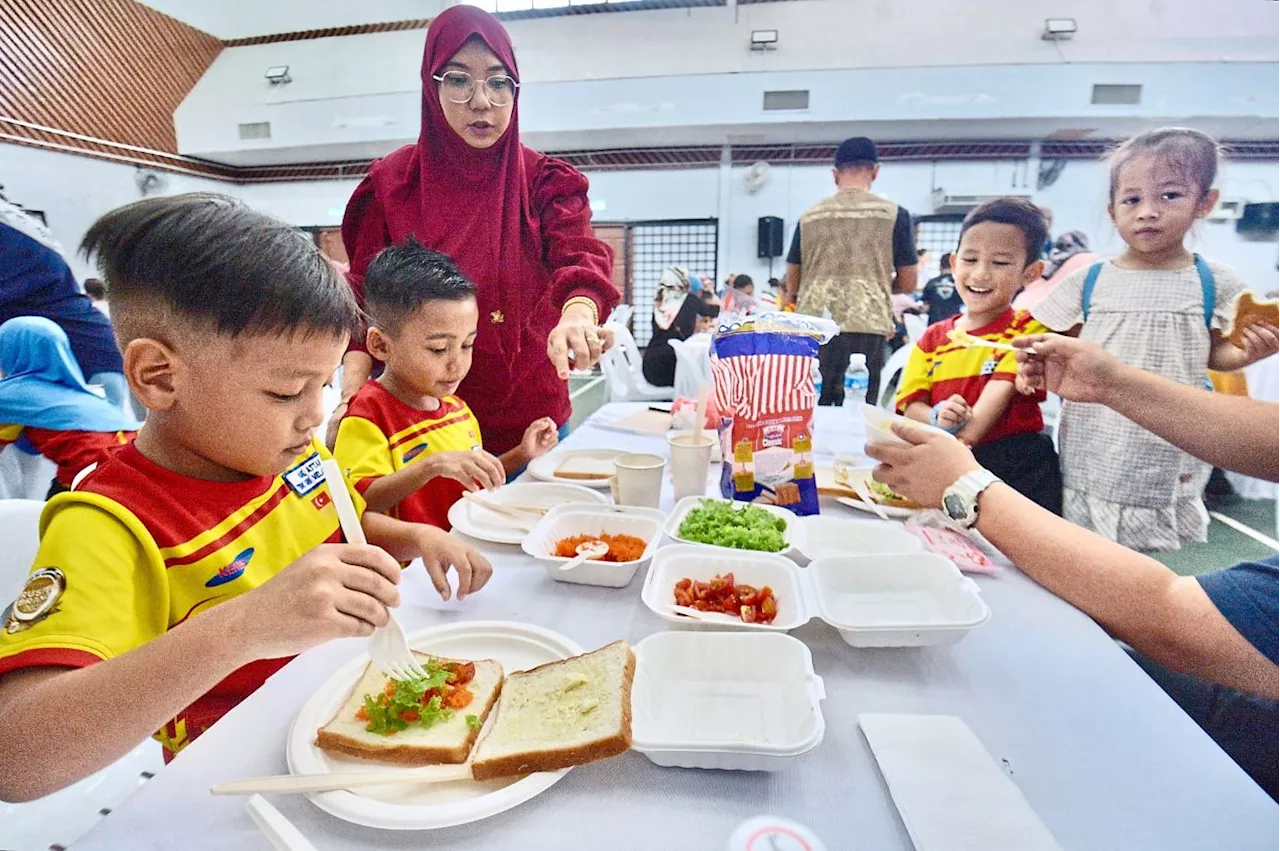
[
  {"x": 654, "y": 246},
  {"x": 937, "y": 235}
]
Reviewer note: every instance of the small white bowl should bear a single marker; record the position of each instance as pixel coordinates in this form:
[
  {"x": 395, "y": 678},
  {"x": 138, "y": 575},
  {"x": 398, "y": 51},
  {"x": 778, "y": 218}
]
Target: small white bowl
[
  {"x": 590, "y": 519},
  {"x": 791, "y": 535},
  {"x": 887, "y": 600},
  {"x": 725, "y": 701},
  {"x": 826, "y": 537}
]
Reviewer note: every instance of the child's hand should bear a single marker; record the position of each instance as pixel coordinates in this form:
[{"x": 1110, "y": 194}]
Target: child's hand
[
  {"x": 954, "y": 413},
  {"x": 440, "y": 550},
  {"x": 474, "y": 468},
  {"x": 333, "y": 591},
  {"x": 539, "y": 438},
  {"x": 1260, "y": 341},
  {"x": 1023, "y": 384}
]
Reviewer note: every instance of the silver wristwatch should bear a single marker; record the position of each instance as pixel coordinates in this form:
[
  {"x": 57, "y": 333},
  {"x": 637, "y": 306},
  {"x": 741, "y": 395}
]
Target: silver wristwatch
[{"x": 960, "y": 501}]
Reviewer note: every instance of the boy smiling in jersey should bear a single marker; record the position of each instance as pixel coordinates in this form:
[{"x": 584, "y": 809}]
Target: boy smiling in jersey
[
  {"x": 190, "y": 565},
  {"x": 407, "y": 443},
  {"x": 970, "y": 390}
]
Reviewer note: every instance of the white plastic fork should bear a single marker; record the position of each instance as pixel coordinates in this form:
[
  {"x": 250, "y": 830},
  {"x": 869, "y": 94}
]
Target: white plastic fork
[{"x": 388, "y": 648}]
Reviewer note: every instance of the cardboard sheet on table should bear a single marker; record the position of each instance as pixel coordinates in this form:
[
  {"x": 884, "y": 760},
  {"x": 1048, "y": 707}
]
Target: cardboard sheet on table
[
  {"x": 650, "y": 422},
  {"x": 950, "y": 792}
]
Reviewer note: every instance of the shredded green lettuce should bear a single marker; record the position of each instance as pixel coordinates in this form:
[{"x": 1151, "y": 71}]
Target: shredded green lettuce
[
  {"x": 386, "y": 712},
  {"x": 746, "y": 527}
]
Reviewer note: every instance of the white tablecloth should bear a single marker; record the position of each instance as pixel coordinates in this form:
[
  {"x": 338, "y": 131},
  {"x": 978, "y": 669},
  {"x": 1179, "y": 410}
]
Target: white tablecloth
[{"x": 1104, "y": 757}]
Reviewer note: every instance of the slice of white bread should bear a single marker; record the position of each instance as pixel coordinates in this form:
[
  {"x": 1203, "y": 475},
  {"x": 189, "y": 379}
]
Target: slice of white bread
[
  {"x": 446, "y": 742},
  {"x": 560, "y": 714},
  {"x": 585, "y": 467}
]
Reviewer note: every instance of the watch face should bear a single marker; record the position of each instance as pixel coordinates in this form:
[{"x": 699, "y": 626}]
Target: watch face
[{"x": 954, "y": 506}]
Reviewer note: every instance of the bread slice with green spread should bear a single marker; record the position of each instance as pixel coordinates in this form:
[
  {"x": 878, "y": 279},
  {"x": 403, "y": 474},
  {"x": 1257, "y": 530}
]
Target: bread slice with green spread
[
  {"x": 560, "y": 714},
  {"x": 422, "y": 722}
]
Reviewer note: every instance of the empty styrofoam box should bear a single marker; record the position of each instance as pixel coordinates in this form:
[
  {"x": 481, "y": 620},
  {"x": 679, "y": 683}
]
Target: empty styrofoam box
[
  {"x": 569, "y": 521},
  {"x": 792, "y": 535},
  {"x": 906, "y": 600},
  {"x": 748, "y": 702},
  {"x": 701, "y": 563},
  {"x": 827, "y": 537}
]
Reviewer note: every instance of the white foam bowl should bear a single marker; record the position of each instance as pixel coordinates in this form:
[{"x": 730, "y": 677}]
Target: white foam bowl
[
  {"x": 567, "y": 521},
  {"x": 701, "y": 563},
  {"x": 791, "y": 535},
  {"x": 904, "y": 600},
  {"x": 725, "y": 701},
  {"x": 828, "y": 537}
]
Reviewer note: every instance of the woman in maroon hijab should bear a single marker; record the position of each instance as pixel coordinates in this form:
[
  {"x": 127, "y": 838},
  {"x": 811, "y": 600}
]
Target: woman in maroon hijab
[{"x": 515, "y": 221}]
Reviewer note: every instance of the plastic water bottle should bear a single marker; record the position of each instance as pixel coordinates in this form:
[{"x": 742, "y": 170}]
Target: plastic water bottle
[
  {"x": 817, "y": 381},
  {"x": 856, "y": 382}
]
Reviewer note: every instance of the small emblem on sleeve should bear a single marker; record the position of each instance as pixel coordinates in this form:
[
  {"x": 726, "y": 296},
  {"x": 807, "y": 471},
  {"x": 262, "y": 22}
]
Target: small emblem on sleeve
[{"x": 37, "y": 600}]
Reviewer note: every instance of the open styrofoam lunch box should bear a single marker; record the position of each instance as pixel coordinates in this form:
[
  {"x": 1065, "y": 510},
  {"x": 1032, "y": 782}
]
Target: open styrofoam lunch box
[
  {"x": 724, "y": 700},
  {"x": 882, "y": 600},
  {"x": 792, "y": 534},
  {"x": 826, "y": 536},
  {"x": 568, "y": 521}
]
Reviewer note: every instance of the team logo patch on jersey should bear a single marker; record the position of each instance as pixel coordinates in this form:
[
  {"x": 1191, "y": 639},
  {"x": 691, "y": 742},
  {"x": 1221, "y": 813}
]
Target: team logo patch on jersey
[
  {"x": 320, "y": 500},
  {"x": 37, "y": 600},
  {"x": 415, "y": 452},
  {"x": 305, "y": 477},
  {"x": 231, "y": 571},
  {"x": 989, "y": 367}
]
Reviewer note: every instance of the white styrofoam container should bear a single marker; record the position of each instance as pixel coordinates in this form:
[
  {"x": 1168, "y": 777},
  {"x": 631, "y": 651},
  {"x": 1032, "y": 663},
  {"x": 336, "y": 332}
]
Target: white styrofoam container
[
  {"x": 826, "y": 536},
  {"x": 792, "y": 535},
  {"x": 882, "y": 600},
  {"x": 700, "y": 562},
  {"x": 910, "y": 600},
  {"x": 589, "y": 519},
  {"x": 725, "y": 700}
]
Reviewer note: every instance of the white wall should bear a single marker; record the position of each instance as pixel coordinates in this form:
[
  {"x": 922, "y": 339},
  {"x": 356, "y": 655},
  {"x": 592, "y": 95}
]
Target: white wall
[{"x": 74, "y": 191}]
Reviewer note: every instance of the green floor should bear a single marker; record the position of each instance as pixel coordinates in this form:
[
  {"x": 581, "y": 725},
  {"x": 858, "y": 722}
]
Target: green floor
[{"x": 1225, "y": 546}]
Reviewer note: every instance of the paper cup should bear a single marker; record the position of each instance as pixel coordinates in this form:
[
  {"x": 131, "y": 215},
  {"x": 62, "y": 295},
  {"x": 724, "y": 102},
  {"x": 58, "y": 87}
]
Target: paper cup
[
  {"x": 638, "y": 479},
  {"x": 690, "y": 459}
]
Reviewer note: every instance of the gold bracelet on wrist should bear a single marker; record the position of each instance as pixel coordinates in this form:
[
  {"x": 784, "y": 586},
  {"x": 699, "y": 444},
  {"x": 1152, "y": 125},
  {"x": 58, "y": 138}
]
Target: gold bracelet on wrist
[{"x": 595, "y": 311}]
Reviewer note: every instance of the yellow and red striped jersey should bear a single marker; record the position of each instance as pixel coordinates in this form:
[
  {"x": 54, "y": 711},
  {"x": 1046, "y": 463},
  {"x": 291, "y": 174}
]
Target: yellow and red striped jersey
[
  {"x": 137, "y": 550},
  {"x": 72, "y": 451},
  {"x": 381, "y": 435},
  {"x": 939, "y": 369}
]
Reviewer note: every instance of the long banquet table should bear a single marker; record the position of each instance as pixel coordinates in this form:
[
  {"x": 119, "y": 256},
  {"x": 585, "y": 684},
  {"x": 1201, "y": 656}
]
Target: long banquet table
[{"x": 1104, "y": 757}]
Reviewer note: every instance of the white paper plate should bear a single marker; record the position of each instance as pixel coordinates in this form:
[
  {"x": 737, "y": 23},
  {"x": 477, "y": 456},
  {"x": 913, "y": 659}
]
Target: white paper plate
[
  {"x": 544, "y": 468},
  {"x": 475, "y": 521},
  {"x": 893, "y": 512},
  {"x": 517, "y": 646}
]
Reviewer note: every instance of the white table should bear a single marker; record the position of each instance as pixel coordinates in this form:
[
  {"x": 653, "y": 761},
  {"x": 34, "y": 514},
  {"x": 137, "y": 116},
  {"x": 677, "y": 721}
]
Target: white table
[{"x": 1105, "y": 758}]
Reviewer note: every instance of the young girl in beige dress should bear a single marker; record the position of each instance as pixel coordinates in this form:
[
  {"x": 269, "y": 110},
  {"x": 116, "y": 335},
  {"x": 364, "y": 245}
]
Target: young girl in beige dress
[{"x": 1159, "y": 307}]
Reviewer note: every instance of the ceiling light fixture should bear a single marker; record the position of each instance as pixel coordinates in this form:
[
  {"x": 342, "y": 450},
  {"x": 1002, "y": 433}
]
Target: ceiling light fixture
[
  {"x": 764, "y": 39},
  {"x": 278, "y": 74}
]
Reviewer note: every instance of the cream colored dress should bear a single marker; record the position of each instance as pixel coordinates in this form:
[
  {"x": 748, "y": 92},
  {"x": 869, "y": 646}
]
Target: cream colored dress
[{"x": 1119, "y": 479}]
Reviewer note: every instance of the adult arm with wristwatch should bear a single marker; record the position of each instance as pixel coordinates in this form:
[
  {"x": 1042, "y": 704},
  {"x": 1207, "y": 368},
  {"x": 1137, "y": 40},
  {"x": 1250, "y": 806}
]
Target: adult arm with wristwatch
[{"x": 1180, "y": 622}]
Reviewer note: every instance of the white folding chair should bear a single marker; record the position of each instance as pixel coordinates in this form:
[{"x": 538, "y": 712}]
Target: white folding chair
[
  {"x": 622, "y": 369},
  {"x": 58, "y": 820},
  {"x": 24, "y": 476},
  {"x": 915, "y": 325},
  {"x": 693, "y": 367},
  {"x": 892, "y": 370},
  {"x": 621, "y": 315}
]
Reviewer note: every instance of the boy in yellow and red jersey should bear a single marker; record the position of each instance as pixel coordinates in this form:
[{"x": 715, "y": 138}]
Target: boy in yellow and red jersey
[
  {"x": 969, "y": 390},
  {"x": 407, "y": 443},
  {"x": 193, "y": 562}
]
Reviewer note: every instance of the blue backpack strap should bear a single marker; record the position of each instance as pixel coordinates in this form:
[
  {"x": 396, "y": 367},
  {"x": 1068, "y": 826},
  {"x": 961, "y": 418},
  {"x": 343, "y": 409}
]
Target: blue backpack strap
[
  {"x": 1090, "y": 281},
  {"x": 1207, "y": 289}
]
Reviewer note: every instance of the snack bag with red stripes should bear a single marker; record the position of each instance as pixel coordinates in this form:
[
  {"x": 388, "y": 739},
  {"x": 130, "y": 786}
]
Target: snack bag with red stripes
[{"x": 763, "y": 370}]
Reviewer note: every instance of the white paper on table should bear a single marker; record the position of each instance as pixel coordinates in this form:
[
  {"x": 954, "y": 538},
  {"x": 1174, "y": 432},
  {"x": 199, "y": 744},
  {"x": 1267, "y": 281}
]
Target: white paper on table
[{"x": 950, "y": 792}]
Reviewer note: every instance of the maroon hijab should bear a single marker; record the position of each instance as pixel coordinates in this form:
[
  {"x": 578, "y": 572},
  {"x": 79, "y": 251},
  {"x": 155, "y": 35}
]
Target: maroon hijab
[{"x": 472, "y": 204}]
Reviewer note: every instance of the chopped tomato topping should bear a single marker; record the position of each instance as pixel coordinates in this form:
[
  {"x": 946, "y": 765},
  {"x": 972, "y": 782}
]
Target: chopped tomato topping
[
  {"x": 410, "y": 715},
  {"x": 461, "y": 673},
  {"x": 721, "y": 594},
  {"x": 458, "y": 698},
  {"x": 362, "y": 714}
]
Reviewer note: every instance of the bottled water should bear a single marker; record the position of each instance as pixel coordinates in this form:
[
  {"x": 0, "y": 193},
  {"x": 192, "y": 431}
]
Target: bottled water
[{"x": 856, "y": 381}]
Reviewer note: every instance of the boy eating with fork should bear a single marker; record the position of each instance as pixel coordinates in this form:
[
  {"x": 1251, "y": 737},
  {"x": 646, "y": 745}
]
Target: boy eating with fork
[{"x": 198, "y": 559}]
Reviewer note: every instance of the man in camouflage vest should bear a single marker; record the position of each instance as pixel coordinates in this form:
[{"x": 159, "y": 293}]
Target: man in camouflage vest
[{"x": 850, "y": 253}]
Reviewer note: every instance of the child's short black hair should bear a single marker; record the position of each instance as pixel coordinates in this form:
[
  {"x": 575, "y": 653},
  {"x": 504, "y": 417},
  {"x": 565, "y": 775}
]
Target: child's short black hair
[
  {"x": 404, "y": 277},
  {"x": 741, "y": 282},
  {"x": 1018, "y": 212},
  {"x": 216, "y": 262},
  {"x": 945, "y": 263},
  {"x": 95, "y": 288}
]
